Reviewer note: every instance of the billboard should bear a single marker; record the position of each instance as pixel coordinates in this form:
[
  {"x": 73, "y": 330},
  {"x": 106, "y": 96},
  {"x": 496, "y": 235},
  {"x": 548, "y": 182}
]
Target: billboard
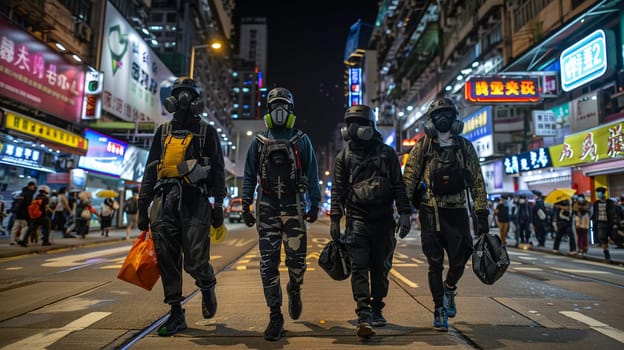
[
  {"x": 584, "y": 61},
  {"x": 35, "y": 75},
  {"x": 105, "y": 154},
  {"x": 355, "y": 86},
  {"x": 494, "y": 89},
  {"x": 135, "y": 79},
  {"x": 478, "y": 130}
]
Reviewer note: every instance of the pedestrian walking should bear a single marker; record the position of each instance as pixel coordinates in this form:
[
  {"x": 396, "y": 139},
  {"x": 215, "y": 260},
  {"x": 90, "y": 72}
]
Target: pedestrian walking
[
  {"x": 20, "y": 211},
  {"x": 367, "y": 184},
  {"x": 502, "y": 218},
  {"x": 131, "y": 208},
  {"x": 581, "y": 210},
  {"x": 282, "y": 162},
  {"x": 604, "y": 220}
]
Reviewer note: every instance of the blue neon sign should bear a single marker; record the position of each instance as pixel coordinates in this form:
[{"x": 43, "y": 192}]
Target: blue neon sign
[
  {"x": 355, "y": 86},
  {"x": 584, "y": 61}
]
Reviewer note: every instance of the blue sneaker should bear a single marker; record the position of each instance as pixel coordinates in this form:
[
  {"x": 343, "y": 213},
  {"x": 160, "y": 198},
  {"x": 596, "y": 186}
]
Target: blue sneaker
[
  {"x": 449, "y": 301},
  {"x": 440, "y": 319}
]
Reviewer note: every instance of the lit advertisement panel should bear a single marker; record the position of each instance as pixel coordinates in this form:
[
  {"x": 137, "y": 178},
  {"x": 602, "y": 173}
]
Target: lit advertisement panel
[
  {"x": 355, "y": 86},
  {"x": 584, "y": 61},
  {"x": 480, "y": 89},
  {"x": 478, "y": 130},
  {"x": 36, "y": 76},
  {"x": 105, "y": 154},
  {"x": 527, "y": 161},
  {"x": 589, "y": 146},
  {"x": 135, "y": 79}
]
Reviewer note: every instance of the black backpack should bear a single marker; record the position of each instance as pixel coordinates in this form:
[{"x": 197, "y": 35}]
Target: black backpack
[
  {"x": 369, "y": 180},
  {"x": 279, "y": 165}
]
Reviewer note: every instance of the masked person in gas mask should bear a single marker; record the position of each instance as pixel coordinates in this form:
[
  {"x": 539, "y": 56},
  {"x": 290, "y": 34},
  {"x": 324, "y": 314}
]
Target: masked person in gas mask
[
  {"x": 446, "y": 166},
  {"x": 184, "y": 169},
  {"x": 282, "y": 162},
  {"x": 367, "y": 185}
]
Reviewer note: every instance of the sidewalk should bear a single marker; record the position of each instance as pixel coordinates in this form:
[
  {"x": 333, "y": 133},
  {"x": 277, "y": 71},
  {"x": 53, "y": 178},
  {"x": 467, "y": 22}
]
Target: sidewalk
[
  {"x": 58, "y": 242},
  {"x": 594, "y": 252}
]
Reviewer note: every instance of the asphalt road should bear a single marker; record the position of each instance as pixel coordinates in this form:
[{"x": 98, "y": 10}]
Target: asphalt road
[{"x": 71, "y": 298}]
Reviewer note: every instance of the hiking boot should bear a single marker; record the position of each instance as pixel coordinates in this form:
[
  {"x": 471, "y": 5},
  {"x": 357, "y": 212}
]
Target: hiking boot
[
  {"x": 449, "y": 301},
  {"x": 364, "y": 328},
  {"x": 174, "y": 324},
  {"x": 275, "y": 329},
  {"x": 377, "y": 320},
  {"x": 294, "y": 300},
  {"x": 440, "y": 319},
  {"x": 209, "y": 302}
]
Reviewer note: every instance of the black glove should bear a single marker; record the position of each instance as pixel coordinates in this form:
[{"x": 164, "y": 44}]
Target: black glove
[
  {"x": 334, "y": 227},
  {"x": 312, "y": 214},
  {"x": 217, "y": 216},
  {"x": 144, "y": 222},
  {"x": 248, "y": 217},
  {"x": 483, "y": 225},
  {"x": 405, "y": 224}
]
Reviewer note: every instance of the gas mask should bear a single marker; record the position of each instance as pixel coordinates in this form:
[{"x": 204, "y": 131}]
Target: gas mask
[
  {"x": 443, "y": 120},
  {"x": 280, "y": 115},
  {"x": 357, "y": 132},
  {"x": 184, "y": 101}
]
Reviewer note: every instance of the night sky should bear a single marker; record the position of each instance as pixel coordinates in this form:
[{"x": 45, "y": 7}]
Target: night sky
[{"x": 306, "y": 52}]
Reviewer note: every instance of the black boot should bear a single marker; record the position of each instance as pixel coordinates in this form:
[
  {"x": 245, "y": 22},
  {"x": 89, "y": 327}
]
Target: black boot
[
  {"x": 275, "y": 329},
  {"x": 209, "y": 302},
  {"x": 294, "y": 300},
  {"x": 175, "y": 323},
  {"x": 607, "y": 255}
]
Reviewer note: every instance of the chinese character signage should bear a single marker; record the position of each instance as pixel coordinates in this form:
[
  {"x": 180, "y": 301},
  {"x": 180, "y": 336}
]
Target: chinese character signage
[
  {"x": 105, "y": 154},
  {"x": 92, "y": 105},
  {"x": 585, "y": 112},
  {"x": 478, "y": 130},
  {"x": 19, "y": 155},
  {"x": 527, "y": 161},
  {"x": 600, "y": 143},
  {"x": 33, "y": 74},
  {"x": 43, "y": 131},
  {"x": 584, "y": 61},
  {"x": 355, "y": 86},
  {"x": 545, "y": 123},
  {"x": 487, "y": 89},
  {"x": 135, "y": 79}
]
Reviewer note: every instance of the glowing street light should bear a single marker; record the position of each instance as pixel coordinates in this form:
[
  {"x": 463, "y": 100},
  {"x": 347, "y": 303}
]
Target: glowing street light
[{"x": 215, "y": 45}]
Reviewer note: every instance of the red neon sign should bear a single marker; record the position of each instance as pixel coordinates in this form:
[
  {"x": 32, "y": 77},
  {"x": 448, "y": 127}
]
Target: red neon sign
[{"x": 503, "y": 90}]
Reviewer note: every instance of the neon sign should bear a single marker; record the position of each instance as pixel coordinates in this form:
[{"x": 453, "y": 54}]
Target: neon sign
[
  {"x": 584, "y": 61},
  {"x": 355, "y": 86},
  {"x": 527, "y": 161},
  {"x": 482, "y": 89}
]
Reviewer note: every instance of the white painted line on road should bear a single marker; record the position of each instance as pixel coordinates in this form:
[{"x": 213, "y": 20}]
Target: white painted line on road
[
  {"x": 14, "y": 268},
  {"x": 418, "y": 261},
  {"x": 596, "y": 325},
  {"x": 80, "y": 259},
  {"x": 43, "y": 340},
  {"x": 519, "y": 268},
  {"x": 595, "y": 272},
  {"x": 405, "y": 265},
  {"x": 403, "y": 279}
]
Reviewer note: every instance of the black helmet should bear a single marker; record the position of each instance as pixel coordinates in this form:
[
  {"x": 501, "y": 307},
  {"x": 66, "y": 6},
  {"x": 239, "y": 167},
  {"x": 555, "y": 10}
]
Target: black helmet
[
  {"x": 442, "y": 103},
  {"x": 280, "y": 94},
  {"x": 185, "y": 82},
  {"x": 360, "y": 113}
]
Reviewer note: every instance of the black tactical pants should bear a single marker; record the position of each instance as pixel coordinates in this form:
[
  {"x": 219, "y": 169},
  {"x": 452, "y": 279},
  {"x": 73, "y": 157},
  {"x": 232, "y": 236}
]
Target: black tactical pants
[
  {"x": 454, "y": 238},
  {"x": 280, "y": 221},
  {"x": 370, "y": 245},
  {"x": 181, "y": 233},
  {"x": 564, "y": 228}
]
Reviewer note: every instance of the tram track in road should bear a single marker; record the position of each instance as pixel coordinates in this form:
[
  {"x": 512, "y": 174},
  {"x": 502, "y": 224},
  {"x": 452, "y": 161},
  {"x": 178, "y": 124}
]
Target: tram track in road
[
  {"x": 128, "y": 343},
  {"x": 570, "y": 270}
]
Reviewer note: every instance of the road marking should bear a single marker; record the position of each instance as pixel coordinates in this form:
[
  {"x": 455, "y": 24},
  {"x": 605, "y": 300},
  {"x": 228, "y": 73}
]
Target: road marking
[
  {"x": 596, "y": 272},
  {"x": 43, "y": 340},
  {"x": 596, "y": 325},
  {"x": 405, "y": 265},
  {"x": 241, "y": 268},
  {"x": 418, "y": 261},
  {"x": 14, "y": 268},
  {"x": 80, "y": 259},
  {"x": 403, "y": 279},
  {"x": 527, "y": 268}
]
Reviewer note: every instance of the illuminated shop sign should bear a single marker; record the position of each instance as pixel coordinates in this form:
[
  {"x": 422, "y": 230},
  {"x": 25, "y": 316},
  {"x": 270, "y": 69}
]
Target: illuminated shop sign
[
  {"x": 584, "y": 61},
  {"x": 600, "y": 143},
  {"x": 355, "y": 86},
  {"x": 482, "y": 89},
  {"x": 527, "y": 161},
  {"x": 478, "y": 130},
  {"x": 21, "y": 156},
  {"x": 545, "y": 123},
  {"x": 44, "y": 131},
  {"x": 105, "y": 154},
  {"x": 92, "y": 104},
  {"x": 35, "y": 75}
]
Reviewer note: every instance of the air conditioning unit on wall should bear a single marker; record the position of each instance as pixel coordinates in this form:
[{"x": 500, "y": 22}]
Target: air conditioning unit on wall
[{"x": 82, "y": 31}]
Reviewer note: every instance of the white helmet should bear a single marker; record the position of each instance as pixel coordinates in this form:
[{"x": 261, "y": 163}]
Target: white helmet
[{"x": 44, "y": 188}]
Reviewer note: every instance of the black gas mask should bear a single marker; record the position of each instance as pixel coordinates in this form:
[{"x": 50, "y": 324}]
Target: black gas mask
[
  {"x": 356, "y": 132},
  {"x": 443, "y": 119},
  {"x": 184, "y": 100}
]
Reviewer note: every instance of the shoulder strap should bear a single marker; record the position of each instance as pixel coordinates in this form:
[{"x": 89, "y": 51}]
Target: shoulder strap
[
  {"x": 369, "y": 159},
  {"x": 164, "y": 131}
]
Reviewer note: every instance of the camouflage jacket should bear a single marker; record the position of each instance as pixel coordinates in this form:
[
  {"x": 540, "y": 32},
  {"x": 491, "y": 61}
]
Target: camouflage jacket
[{"x": 419, "y": 159}]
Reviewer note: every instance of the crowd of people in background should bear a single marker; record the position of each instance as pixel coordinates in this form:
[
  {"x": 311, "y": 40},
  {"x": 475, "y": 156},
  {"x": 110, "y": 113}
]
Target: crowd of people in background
[
  {"x": 62, "y": 211},
  {"x": 569, "y": 219}
]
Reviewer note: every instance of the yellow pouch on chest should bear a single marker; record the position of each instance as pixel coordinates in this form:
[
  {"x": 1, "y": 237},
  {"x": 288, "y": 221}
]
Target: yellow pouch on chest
[{"x": 174, "y": 147}]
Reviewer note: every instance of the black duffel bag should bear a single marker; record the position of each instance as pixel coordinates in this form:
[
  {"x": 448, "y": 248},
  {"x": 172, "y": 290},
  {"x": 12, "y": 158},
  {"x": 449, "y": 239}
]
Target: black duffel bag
[
  {"x": 335, "y": 261},
  {"x": 489, "y": 258}
]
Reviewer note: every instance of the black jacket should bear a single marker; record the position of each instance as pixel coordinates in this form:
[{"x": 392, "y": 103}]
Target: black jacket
[{"x": 341, "y": 185}]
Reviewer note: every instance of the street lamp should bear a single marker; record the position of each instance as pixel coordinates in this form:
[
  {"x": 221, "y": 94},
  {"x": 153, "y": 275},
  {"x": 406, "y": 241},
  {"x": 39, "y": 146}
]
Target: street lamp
[{"x": 216, "y": 45}]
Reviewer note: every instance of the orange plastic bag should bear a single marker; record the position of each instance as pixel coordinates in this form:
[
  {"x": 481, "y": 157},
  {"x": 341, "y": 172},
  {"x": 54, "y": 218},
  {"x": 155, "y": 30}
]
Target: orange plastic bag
[{"x": 141, "y": 266}]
